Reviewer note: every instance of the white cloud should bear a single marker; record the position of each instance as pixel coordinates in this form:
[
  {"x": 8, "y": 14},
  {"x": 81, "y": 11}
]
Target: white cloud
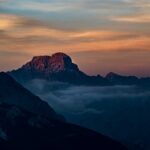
[{"x": 121, "y": 112}]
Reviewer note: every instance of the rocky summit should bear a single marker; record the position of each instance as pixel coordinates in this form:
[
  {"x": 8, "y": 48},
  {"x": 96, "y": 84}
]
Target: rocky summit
[
  {"x": 51, "y": 64},
  {"x": 58, "y": 67}
]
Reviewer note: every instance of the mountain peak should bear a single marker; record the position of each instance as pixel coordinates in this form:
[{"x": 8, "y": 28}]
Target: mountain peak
[
  {"x": 57, "y": 67},
  {"x": 60, "y": 55},
  {"x": 111, "y": 75},
  {"x": 55, "y": 63},
  {"x": 121, "y": 80}
]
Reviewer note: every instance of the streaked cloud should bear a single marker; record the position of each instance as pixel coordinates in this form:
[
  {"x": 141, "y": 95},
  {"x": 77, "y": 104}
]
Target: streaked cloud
[
  {"x": 40, "y": 27},
  {"x": 20, "y": 27},
  {"x": 12, "y": 53},
  {"x": 7, "y": 21},
  {"x": 134, "y": 19},
  {"x": 38, "y": 37}
]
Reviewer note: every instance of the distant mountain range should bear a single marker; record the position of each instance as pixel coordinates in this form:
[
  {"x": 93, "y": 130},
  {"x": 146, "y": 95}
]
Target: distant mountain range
[
  {"x": 59, "y": 67},
  {"x": 117, "y": 79},
  {"x": 28, "y": 123}
]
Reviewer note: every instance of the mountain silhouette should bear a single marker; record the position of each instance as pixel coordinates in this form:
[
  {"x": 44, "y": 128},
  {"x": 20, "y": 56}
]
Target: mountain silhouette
[
  {"x": 28, "y": 123},
  {"x": 117, "y": 79},
  {"x": 11, "y": 92},
  {"x": 58, "y": 67}
]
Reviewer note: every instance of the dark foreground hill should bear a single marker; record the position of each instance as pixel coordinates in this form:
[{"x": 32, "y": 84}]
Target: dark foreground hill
[
  {"x": 11, "y": 92},
  {"x": 28, "y": 123},
  {"x": 21, "y": 130}
]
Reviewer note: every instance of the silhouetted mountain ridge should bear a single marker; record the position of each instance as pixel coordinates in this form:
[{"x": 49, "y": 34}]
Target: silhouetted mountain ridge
[
  {"x": 118, "y": 79},
  {"x": 59, "y": 67},
  {"x": 23, "y": 130},
  {"x": 13, "y": 93},
  {"x": 28, "y": 123}
]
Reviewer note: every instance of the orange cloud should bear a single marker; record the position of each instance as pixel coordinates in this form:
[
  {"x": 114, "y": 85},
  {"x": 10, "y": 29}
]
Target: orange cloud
[
  {"x": 134, "y": 19},
  {"x": 36, "y": 38},
  {"x": 7, "y": 21},
  {"x": 21, "y": 38}
]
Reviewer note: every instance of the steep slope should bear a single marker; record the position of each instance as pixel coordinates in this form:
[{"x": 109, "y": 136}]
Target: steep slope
[
  {"x": 58, "y": 67},
  {"x": 28, "y": 123},
  {"x": 12, "y": 92},
  {"x": 21, "y": 130}
]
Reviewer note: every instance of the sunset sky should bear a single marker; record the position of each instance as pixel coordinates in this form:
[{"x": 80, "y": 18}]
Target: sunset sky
[{"x": 100, "y": 35}]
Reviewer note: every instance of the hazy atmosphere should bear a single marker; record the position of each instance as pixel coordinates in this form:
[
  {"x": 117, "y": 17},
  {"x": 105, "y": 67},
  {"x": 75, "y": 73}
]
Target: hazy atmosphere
[
  {"x": 120, "y": 112},
  {"x": 75, "y": 74}
]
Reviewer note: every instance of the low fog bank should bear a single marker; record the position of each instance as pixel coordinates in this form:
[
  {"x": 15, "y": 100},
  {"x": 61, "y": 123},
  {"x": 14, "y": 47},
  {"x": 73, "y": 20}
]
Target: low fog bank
[{"x": 120, "y": 112}]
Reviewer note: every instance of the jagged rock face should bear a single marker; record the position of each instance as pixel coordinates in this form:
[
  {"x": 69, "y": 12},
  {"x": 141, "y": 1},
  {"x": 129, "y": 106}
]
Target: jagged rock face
[
  {"x": 52, "y": 64},
  {"x": 58, "y": 67}
]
